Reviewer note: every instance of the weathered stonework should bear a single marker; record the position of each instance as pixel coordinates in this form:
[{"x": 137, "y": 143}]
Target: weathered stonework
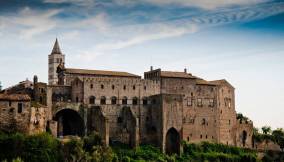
[{"x": 161, "y": 109}]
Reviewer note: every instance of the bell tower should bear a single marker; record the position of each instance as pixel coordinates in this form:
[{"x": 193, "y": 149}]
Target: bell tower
[{"x": 54, "y": 59}]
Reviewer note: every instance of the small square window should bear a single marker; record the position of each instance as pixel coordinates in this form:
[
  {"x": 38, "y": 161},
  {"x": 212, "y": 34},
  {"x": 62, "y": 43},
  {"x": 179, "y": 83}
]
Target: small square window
[
  {"x": 199, "y": 102},
  {"x": 189, "y": 102},
  {"x": 211, "y": 102}
]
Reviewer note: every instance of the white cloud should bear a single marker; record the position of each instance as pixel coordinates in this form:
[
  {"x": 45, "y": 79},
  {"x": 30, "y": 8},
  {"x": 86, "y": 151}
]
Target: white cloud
[
  {"x": 145, "y": 33},
  {"x": 206, "y": 4},
  {"x": 28, "y": 22}
]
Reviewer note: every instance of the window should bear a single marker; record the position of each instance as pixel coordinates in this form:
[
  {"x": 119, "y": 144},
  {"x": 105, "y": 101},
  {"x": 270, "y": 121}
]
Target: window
[
  {"x": 201, "y": 136},
  {"x": 124, "y": 87},
  {"x": 77, "y": 99},
  {"x": 92, "y": 100},
  {"x": 10, "y": 103},
  {"x": 20, "y": 107},
  {"x": 189, "y": 102},
  {"x": 211, "y": 102},
  {"x": 145, "y": 88},
  {"x": 135, "y": 101},
  {"x": 229, "y": 122},
  {"x": 203, "y": 122},
  {"x": 191, "y": 94},
  {"x": 11, "y": 110},
  {"x": 102, "y": 86},
  {"x": 113, "y": 100},
  {"x": 206, "y": 136},
  {"x": 112, "y": 87},
  {"x": 134, "y": 87},
  {"x": 187, "y": 138},
  {"x": 124, "y": 100},
  {"x": 91, "y": 86},
  {"x": 145, "y": 101},
  {"x": 103, "y": 100},
  {"x": 199, "y": 102},
  {"x": 229, "y": 103}
]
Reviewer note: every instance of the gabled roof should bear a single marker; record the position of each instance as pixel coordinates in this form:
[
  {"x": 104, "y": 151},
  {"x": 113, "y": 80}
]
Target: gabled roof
[
  {"x": 100, "y": 73},
  {"x": 174, "y": 74},
  {"x": 221, "y": 82},
  {"x": 14, "y": 97},
  {"x": 56, "y": 48}
]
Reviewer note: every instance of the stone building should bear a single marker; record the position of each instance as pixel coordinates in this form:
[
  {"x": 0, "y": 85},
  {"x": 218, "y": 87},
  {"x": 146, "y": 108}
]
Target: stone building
[{"x": 163, "y": 108}]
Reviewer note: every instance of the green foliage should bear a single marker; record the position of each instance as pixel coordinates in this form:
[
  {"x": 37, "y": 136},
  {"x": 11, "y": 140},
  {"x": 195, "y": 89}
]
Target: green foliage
[
  {"x": 217, "y": 152},
  {"x": 92, "y": 140},
  {"x": 41, "y": 147}
]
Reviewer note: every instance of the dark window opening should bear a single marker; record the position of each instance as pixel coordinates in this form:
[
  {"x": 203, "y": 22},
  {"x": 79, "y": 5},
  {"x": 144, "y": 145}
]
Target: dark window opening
[
  {"x": 77, "y": 99},
  {"x": 135, "y": 101},
  {"x": 112, "y": 86},
  {"x": 20, "y": 107},
  {"x": 103, "y": 100},
  {"x": 91, "y": 86},
  {"x": 124, "y": 87},
  {"x": 145, "y": 101},
  {"x": 11, "y": 110},
  {"x": 145, "y": 88},
  {"x": 92, "y": 100},
  {"x": 206, "y": 136},
  {"x": 201, "y": 136},
  {"x": 113, "y": 100},
  {"x": 134, "y": 87},
  {"x": 203, "y": 121},
  {"x": 10, "y": 103},
  {"x": 102, "y": 86},
  {"x": 124, "y": 101}
]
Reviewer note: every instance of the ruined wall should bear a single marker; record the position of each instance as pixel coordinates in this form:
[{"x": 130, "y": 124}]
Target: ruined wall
[
  {"x": 243, "y": 132},
  {"x": 13, "y": 119},
  {"x": 98, "y": 122}
]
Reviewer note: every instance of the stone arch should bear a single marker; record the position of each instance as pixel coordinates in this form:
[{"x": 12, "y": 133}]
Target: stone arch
[
  {"x": 244, "y": 138},
  {"x": 172, "y": 141},
  {"x": 69, "y": 122}
]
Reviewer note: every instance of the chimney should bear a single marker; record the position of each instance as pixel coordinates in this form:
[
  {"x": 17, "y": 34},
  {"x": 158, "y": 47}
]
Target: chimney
[
  {"x": 151, "y": 68},
  {"x": 185, "y": 70}
]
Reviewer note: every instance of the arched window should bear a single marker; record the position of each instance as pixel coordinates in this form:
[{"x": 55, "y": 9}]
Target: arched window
[
  {"x": 103, "y": 100},
  {"x": 124, "y": 100},
  {"x": 145, "y": 101},
  {"x": 113, "y": 100},
  {"x": 135, "y": 101},
  {"x": 92, "y": 100},
  {"x": 203, "y": 121}
]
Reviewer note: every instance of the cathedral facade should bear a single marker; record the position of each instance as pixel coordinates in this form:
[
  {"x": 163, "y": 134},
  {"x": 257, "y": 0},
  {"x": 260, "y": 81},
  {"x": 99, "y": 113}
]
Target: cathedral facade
[{"x": 163, "y": 108}]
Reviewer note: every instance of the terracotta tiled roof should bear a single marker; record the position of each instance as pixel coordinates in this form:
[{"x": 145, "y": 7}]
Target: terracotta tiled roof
[
  {"x": 173, "y": 74},
  {"x": 101, "y": 72},
  {"x": 204, "y": 82},
  {"x": 14, "y": 97}
]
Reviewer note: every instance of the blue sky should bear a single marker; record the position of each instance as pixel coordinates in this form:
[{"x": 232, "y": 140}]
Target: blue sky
[{"x": 241, "y": 41}]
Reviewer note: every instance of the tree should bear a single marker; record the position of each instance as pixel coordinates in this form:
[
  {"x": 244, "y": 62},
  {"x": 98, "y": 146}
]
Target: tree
[
  {"x": 266, "y": 129},
  {"x": 278, "y": 136}
]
